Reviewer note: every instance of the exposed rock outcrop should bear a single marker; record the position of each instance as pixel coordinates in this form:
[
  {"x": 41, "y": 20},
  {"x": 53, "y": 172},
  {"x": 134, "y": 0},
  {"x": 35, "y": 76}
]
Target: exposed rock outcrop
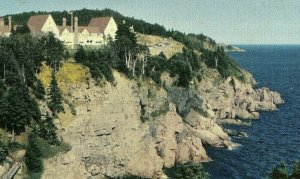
[{"x": 108, "y": 138}]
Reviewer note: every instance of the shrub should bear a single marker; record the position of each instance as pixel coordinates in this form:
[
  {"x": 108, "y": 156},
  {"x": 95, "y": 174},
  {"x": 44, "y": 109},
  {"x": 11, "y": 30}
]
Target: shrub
[
  {"x": 163, "y": 110},
  {"x": 190, "y": 170}
]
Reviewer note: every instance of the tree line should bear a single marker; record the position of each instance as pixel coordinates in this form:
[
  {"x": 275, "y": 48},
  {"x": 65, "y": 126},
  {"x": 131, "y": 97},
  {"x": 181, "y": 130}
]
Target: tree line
[
  {"x": 21, "y": 57},
  {"x": 191, "y": 41}
]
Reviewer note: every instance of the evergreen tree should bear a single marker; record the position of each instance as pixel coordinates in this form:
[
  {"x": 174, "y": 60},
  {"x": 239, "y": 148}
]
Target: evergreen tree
[
  {"x": 47, "y": 130},
  {"x": 126, "y": 44},
  {"x": 20, "y": 30},
  {"x": 33, "y": 155},
  {"x": 53, "y": 50},
  {"x": 39, "y": 90},
  {"x": 280, "y": 172},
  {"x": 296, "y": 171},
  {"x": 3, "y": 152},
  {"x": 80, "y": 55},
  {"x": 2, "y": 88},
  {"x": 55, "y": 104},
  {"x": 17, "y": 109}
]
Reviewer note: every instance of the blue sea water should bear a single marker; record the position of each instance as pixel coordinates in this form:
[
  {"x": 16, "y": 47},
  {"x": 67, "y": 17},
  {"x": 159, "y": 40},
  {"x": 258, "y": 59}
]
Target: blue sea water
[{"x": 275, "y": 136}]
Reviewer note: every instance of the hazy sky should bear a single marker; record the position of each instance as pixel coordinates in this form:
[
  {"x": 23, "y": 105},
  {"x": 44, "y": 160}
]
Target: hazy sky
[{"x": 229, "y": 21}]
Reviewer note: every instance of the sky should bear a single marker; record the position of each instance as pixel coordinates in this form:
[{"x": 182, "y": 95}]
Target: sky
[{"x": 226, "y": 21}]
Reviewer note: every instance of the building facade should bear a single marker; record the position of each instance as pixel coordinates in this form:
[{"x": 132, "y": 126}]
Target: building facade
[
  {"x": 5, "y": 29},
  {"x": 98, "y": 31}
]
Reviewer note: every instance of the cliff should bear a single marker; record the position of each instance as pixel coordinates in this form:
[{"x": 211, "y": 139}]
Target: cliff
[
  {"x": 130, "y": 110},
  {"x": 109, "y": 139}
]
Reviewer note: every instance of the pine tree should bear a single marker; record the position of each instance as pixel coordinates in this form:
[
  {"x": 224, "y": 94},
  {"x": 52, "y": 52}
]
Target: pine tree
[
  {"x": 3, "y": 151},
  {"x": 55, "y": 104},
  {"x": 47, "y": 130},
  {"x": 2, "y": 88},
  {"x": 80, "y": 55},
  {"x": 33, "y": 155},
  {"x": 39, "y": 90}
]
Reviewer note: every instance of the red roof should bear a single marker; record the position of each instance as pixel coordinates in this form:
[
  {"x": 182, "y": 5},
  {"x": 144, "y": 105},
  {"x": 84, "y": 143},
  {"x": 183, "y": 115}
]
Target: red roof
[
  {"x": 100, "y": 22},
  {"x": 35, "y": 23},
  {"x": 4, "y": 29}
]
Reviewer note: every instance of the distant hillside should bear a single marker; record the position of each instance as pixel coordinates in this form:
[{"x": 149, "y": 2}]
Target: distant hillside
[{"x": 158, "y": 44}]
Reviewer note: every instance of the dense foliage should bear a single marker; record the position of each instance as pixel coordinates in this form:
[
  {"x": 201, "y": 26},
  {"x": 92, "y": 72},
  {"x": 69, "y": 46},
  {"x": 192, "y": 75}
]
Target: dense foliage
[
  {"x": 21, "y": 57},
  {"x": 99, "y": 61},
  {"x": 189, "y": 170},
  {"x": 281, "y": 172},
  {"x": 126, "y": 47}
]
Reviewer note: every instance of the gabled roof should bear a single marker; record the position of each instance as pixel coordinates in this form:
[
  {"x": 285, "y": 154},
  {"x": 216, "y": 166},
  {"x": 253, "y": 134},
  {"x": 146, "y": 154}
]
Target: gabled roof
[
  {"x": 81, "y": 28},
  {"x": 62, "y": 28},
  {"x": 36, "y": 23},
  {"x": 100, "y": 23}
]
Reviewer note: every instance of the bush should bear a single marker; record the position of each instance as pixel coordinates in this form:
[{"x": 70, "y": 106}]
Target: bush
[
  {"x": 47, "y": 150},
  {"x": 190, "y": 170},
  {"x": 14, "y": 146}
]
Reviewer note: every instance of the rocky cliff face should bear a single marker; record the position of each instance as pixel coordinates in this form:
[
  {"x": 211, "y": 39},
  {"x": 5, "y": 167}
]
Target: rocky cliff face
[{"x": 108, "y": 138}]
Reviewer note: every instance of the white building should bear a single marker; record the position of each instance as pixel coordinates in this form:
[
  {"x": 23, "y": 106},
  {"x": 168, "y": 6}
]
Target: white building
[{"x": 96, "y": 33}]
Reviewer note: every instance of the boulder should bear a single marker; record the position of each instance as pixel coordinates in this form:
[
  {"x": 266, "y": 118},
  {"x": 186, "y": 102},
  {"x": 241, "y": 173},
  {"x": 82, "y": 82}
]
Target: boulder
[
  {"x": 207, "y": 137},
  {"x": 197, "y": 121},
  {"x": 191, "y": 148}
]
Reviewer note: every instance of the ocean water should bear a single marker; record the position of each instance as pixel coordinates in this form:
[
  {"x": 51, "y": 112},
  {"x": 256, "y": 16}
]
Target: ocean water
[{"x": 275, "y": 136}]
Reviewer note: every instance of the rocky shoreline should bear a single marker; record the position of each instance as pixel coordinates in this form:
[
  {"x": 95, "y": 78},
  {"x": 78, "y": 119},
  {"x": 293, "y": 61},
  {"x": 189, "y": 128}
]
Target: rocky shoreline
[
  {"x": 231, "y": 48},
  {"x": 108, "y": 138}
]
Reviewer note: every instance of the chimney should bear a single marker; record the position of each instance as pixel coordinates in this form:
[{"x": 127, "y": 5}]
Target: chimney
[
  {"x": 75, "y": 30},
  {"x": 1, "y": 22},
  {"x": 64, "y": 22},
  {"x": 9, "y": 23}
]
